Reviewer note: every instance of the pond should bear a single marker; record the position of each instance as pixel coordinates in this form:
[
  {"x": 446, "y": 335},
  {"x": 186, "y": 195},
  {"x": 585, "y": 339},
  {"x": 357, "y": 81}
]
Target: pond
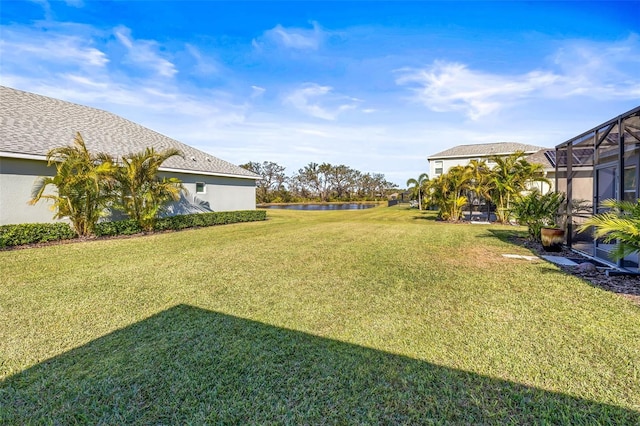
[{"x": 320, "y": 206}]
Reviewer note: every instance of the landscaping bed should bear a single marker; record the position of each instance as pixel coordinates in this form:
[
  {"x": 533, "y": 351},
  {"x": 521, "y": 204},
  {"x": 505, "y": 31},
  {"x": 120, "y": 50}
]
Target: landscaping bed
[{"x": 627, "y": 286}]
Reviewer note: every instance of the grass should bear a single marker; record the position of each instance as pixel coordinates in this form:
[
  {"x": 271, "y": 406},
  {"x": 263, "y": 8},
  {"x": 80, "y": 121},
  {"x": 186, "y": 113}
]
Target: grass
[{"x": 370, "y": 316}]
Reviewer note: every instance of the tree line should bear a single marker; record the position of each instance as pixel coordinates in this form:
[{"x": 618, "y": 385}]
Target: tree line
[
  {"x": 500, "y": 185},
  {"x": 317, "y": 182},
  {"x": 90, "y": 185}
]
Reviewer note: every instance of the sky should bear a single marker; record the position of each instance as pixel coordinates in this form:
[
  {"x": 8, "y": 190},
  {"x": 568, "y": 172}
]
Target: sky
[{"x": 377, "y": 86}]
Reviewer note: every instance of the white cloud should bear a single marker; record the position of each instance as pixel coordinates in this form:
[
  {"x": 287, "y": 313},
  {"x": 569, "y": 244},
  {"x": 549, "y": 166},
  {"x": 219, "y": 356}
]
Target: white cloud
[
  {"x": 63, "y": 50},
  {"x": 293, "y": 38},
  {"x": 257, "y": 91},
  {"x": 449, "y": 86},
  {"x": 70, "y": 68},
  {"x": 320, "y": 101},
  {"x": 601, "y": 71},
  {"x": 144, "y": 53},
  {"x": 204, "y": 65}
]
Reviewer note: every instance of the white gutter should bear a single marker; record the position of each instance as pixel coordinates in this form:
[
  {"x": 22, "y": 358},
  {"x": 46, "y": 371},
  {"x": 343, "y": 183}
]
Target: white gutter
[
  {"x": 23, "y": 156},
  {"x": 201, "y": 172}
]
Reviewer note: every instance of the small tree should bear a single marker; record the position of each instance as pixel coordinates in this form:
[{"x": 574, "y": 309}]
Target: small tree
[
  {"x": 536, "y": 211},
  {"x": 83, "y": 184},
  {"x": 142, "y": 195},
  {"x": 417, "y": 186}
]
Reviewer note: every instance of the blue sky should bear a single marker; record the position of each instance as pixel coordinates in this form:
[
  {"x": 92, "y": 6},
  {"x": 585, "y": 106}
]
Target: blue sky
[{"x": 377, "y": 86}]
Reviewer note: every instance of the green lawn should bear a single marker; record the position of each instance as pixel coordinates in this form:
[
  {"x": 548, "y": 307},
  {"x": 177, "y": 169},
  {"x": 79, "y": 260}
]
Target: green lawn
[{"x": 370, "y": 316}]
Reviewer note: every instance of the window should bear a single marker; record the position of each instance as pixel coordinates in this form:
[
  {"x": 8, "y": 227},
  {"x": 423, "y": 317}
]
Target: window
[
  {"x": 438, "y": 167},
  {"x": 200, "y": 188}
]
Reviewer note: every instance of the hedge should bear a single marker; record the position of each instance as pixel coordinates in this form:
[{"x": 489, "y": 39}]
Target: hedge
[
  {"x": 31, "y": 233},
  {"x": 129, "y": 226}
]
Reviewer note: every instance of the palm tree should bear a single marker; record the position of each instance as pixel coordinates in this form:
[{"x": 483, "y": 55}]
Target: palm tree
[
  {"x": 142, "y": 194},
  {"x": 621, "y": 224},
  {"x": 417, "y": 185},
  {"x": 509, "y": 177},
  {"x": 83, "y": 183},
  {"x": 447, "y": 191},
  {"x": 480, "y": 182}
]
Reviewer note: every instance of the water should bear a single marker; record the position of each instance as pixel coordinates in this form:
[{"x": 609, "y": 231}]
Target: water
[{"x": 333, "y": 206}]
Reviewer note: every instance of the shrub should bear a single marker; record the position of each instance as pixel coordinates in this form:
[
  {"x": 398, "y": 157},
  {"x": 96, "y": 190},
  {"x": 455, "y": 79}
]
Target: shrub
[
  {"x": 32, "y": 233},
  {"x": 118, "y": 227},
  {"x": 130, "y": 226},
  {"x": 536, "y": 211}
]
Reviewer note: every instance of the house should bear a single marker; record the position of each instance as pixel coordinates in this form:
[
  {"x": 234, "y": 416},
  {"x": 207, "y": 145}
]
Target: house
[
  {"x": 31, "y": 125},
  {"x": 545, "y": 157},
  {"x": 461, "y": 155},
  {"x": 599, "y": 164}
]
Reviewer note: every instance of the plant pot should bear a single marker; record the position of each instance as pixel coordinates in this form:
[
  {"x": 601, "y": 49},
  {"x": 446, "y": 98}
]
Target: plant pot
[{"x": 552, "y": 239}]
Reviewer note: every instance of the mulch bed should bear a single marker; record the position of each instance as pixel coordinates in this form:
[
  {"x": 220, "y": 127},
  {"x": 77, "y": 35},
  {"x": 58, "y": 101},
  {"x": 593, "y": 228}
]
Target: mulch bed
[{"x": 627, "y": 286}]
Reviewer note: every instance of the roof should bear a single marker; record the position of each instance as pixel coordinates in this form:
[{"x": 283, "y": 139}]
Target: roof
[
  {"x": 485, "y": 150},
  {"x": 544, "y": 157},
  {"x": 31, "y": 125}
]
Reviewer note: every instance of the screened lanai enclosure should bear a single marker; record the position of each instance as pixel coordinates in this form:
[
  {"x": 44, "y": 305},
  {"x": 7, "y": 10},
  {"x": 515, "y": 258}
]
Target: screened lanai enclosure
[{"x": 602, "y": 163}]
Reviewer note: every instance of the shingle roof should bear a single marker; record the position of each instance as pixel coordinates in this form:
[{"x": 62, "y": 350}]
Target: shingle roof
[
  {"x": 32, "y": 125},
  {"x": 486, "y": 149},
  {"x": 543, "y": 157}
]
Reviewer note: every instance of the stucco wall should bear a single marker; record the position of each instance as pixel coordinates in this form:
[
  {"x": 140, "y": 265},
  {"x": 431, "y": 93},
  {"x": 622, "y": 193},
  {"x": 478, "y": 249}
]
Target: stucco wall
[
  {"x": 222, "y": 193},
  {"x": 17, "y": 177}
]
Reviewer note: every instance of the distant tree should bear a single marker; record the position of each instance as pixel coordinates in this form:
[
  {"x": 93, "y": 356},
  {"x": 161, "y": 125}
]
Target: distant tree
[
  {"x": 83, "y": 184},
  {"x": 341, "y": 180},
  {"x": 315, "y": 181},
  {"x": 417, "y": 187},
  {"x": 142, "y": 195},
  {"x": 317, "y": 178},
  {"x": 272, "y": 182}
]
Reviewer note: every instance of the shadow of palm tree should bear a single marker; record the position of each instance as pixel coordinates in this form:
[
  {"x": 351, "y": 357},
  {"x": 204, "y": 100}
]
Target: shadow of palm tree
[
  {"x": 425, "y": 215},
  {"x": 190, "y": 365},
  {"x": 511, "y": 236}
]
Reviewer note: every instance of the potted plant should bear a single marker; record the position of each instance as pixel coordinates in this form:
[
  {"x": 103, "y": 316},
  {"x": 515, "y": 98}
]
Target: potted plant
[
  {"x": 544, "y": 216},
  {"x": 552, "y": 233}
]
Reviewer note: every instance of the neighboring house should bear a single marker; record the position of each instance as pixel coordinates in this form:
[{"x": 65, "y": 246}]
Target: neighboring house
[
  {"x": 461, "y": 155},
  {"x": 31, "y": 125},
  {"x": 546, "y": 157}
]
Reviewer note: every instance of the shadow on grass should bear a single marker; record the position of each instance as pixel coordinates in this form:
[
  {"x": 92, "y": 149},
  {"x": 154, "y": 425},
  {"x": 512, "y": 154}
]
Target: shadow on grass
[
  {"x": 424, "y": 215},
  {"x": 189, "y": 365},
  {"x": 511, "y": 236}
]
